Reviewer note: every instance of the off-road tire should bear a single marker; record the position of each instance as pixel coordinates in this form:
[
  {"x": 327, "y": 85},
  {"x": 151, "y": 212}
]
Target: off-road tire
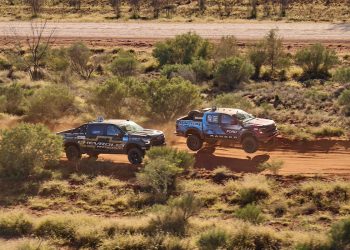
[
  {"x": 194, "y": 142},
  {"x": 93, "y": 156},
  {"x": 73, "y": 153},
  {"x": 135, "y": 156},
  {"x": 250, "y": 145}
]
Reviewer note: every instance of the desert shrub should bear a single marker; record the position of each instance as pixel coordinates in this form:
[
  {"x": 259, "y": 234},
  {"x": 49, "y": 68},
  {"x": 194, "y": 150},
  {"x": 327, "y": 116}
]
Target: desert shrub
[
  {"x": 341, "y": 75},
  {"x": 226, "y": 48},
  {"x": 273, "y": 166},
  {"x": 79, "y": 56},
  {"x": 327, "y": 131},
  {"x": 251, "y": 189},
  {"x": 13, "y": 99},
  {"x": 30, "y": 244},
  {"x": 35, "y": 5},
  {"x": 174, "y": 220},
  {"x": 125, "y": 64},
  {"x": 257, "y": 56},
  {"x": 49, "y": 103},
  {"x": 4, "y": 65},
  {"x": 127, "y": 242},
  {"x": 251, "y": 213},
  {"x": 26, "y": 149},
  {"x": 313, "y": 244},
  {"x": 344, "y": 100},
  {"x": 110, "y": 97},
  {"x": 213, "y": 239},
  {"x": 15, "y": 225},
  {"x": 57, "y": 226},
  {"x": 232, "y": 100},
  {"x": 183, "y": 49},
  {"x": 179, "y": 70},
  {"x": 167, "y": 99},
  {"x": 203, "y": 69},
  {"x": 340, "y": 234},
  {"x": 246, "y": 238},
  {"x": 58, "y": 64},
  {"x": 316, "y": 61},
  {"x": 221, "y": 173},
  {"x": 232, "y": 71},
  {"x": 180, "y": 158},
  {"x": 160, "y": 175},
  {"x": 279, "y": 209}
]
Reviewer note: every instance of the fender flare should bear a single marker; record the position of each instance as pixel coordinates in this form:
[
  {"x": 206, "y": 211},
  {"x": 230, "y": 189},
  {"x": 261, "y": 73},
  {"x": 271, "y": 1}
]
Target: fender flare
[{"x": 194, "y": 131}]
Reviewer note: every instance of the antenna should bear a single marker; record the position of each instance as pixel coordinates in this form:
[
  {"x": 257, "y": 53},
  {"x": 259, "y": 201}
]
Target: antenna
[
  {"x": 100, "y": 119},
  {"x": 214, "y": 108}
]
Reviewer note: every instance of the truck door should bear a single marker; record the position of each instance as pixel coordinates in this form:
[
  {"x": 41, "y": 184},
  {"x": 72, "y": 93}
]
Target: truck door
[
  {"x": 115, "y": 143},
  {"x": 94, "y": 136},
  {"x": 211, "y": 126},
  {"x": 230, "y": 126}
]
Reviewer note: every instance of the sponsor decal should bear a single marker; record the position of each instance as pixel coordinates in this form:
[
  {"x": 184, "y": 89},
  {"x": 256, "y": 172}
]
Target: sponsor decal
[{"x": 190, "y": 123}]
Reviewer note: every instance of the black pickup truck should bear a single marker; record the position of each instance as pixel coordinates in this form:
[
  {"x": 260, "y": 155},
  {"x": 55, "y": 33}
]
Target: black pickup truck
[{"x": 111, "y": 137}]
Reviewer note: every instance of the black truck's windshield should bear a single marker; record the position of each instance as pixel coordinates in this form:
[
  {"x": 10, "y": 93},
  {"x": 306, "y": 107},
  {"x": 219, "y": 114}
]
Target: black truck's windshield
[{"x": 131, "y": 127}]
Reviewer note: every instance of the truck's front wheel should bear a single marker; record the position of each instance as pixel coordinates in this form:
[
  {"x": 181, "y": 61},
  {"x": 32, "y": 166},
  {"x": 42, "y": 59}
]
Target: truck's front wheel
[
  {"x": 250, "y": 144},
  {"x": 73, "y": 153},
  {"x": 135, "y": 156},
  {"x": 194, "y": 142}
]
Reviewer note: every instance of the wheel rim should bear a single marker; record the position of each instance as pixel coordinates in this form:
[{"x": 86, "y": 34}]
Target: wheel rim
[
  {"x": 135, "y": 157},
  {"x": 194, "y": 142}
]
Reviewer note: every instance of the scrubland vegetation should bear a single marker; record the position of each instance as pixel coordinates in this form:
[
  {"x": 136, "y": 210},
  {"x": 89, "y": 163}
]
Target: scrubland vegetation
[
  {"x": 193, "y": 10},
  {"x": 166, "y": 204}
]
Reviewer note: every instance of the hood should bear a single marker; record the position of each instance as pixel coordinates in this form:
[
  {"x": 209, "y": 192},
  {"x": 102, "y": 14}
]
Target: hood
[
  {"x": 146, "y": 133},
  {"x": 259, "y": 122}
]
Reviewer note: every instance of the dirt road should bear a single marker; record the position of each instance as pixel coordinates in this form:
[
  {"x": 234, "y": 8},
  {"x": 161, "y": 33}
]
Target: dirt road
[
  {"x": 151, "y": 30},
  {"x": 325, "y": 158}
]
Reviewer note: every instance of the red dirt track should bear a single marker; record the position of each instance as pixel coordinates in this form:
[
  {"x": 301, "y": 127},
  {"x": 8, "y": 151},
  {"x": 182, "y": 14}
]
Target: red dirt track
[{"x": 324, "y": 157}]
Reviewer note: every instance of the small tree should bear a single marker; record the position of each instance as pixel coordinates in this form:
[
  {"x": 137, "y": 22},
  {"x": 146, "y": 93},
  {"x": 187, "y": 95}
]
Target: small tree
[
  {"x": 57, "y": 63},
  {"x": 202, "y": 5},
  {"x": 79, "y": 56},
  {"x": 38, "y": 45},
  {"x": 183, "y": 49},
  {"x": 125, "y": 64},
  {"x": 26, "y": 149},
  {"x": 226, "y": 48},
  {"x": 49, "y": 103},
  {"x": 316, "y": 61},
  {"x": 167, "y": 99},
  {"x": 156, "y": 5},
  {"x": 35, "y": 6},
  {"x": 275, "y": 56},
  {"x": 110, "y": 97},
  {"x": 257, "y": 56},
  {"x": 233, "y": 71},
  {"x": 283, "y": 7},
  {"x": 116, "y": 4},
  {"x": 135, "y": 8},
  {"x": 76, "y": 4},
  {"x": 253, "y": 9},
  {"x": 13, "y": 99},
  {"x": 342, "y": 75}
]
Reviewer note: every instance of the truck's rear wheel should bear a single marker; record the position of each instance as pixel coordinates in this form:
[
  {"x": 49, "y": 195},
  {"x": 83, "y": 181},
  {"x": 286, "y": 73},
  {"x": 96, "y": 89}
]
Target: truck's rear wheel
[
  {"x": 135, "y": 156},
  {"x": 250, "y": 144},
  {"x": 73, "y": 153},
  {"x": 194, "y": 142}
]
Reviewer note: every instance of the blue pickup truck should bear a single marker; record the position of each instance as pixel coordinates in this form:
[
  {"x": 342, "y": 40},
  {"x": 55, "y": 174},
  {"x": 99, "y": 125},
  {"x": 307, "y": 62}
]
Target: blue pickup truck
[{"x": 225, "y": 126}]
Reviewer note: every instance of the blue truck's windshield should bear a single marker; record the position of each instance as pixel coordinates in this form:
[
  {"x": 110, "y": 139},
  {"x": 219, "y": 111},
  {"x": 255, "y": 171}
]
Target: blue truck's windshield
[
  {"x": 244, "y": 116},
  {"x": 131, "y": 127}
]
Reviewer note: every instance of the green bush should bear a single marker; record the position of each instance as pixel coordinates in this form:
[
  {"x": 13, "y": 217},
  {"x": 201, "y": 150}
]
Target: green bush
[
  {"x": 57, "y": 63},
  {"x": 79, "y": 57},
  {"x": 110, "y": 97},
  {"x": 273, "y": 166},
  {"x": 203, "y": 69},
  {"x": 251, "y": 195},
  {"x": 182, "y": 49},
  {"x": 250, "y": 213},
  {"x": 231, "y": 100},
  {"x": 327, "y": 131},
  {"x": 4, "y": 65},
  {"x": 213, "y": 239},
  {"x": 125, "y": 64},
  {"x": 167, "y": 99},
  {"x": 340, "y": 234},
  {"x": 13, "y": 99},
  {"x": 34, "y": 245},
  {"x": 160, "y": 175},
  {"x": 179, "y": 70},
  {"x": 49, "y": 103},
  {"x": 233, "y": 71},
  {"x": 59, "y": 227},
  {"x": 342, "y": 75},
  {"x": 257, "y": 56},
  {"x": 226, "y": 48},
  {"x": 344, "y": 100},
  {"x": 316, "y": 61},
  {"x": 246, "y": 238},
  {"x": 180, "y": 158},
  {"x": 15, "y": 225},
  {"x": 26, "y": 149}
]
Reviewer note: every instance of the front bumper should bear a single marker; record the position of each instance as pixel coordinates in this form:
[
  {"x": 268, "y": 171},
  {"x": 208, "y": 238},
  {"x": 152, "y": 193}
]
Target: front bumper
[{"x": 266, "y": 138}]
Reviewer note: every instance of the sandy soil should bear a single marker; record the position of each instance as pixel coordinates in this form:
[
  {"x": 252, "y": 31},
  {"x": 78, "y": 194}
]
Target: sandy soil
[{"x": 324, "y": 158}]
